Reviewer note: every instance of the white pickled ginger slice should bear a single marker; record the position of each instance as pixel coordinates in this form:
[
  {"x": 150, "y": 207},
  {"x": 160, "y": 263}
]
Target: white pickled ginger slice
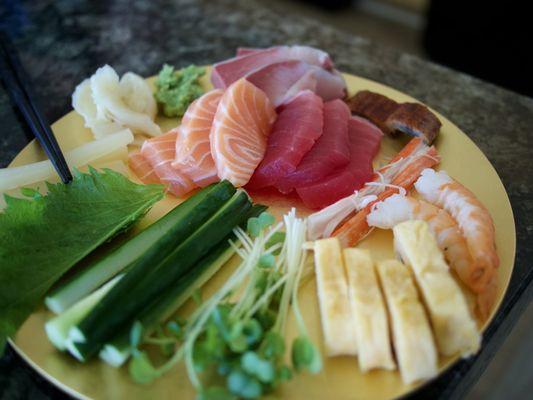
[
  {"x": 82, "y": 102},
  {"x": 137, "y": 94},
  {"x": 106, "y": 94}
]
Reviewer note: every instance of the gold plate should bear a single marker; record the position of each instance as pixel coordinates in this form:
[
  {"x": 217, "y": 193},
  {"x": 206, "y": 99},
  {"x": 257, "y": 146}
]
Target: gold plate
[{"x": 340, "y": 378}]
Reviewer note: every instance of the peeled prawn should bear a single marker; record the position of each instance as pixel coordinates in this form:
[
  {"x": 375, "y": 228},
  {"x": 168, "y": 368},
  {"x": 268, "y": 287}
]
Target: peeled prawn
[
  {"x": 397, "y": 208},
  {"x": 476, "y": 225}
]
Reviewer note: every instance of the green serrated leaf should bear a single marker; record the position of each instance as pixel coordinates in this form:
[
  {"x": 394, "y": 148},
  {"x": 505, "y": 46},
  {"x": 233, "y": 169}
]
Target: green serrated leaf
[
  {"x": 30, "y": 192},
  {"x": 44, "y": 237}
]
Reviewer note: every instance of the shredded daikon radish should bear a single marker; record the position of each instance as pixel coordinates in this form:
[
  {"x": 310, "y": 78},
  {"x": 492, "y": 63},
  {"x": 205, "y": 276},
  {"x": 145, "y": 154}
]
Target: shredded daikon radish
[{"x": 11, "y": 178}]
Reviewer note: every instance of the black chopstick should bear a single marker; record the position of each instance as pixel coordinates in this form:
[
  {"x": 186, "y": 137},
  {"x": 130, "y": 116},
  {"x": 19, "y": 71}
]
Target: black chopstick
[{"x": 17, "y": 84}]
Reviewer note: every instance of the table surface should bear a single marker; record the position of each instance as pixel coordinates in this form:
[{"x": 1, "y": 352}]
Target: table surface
[{"x": 63, "y": 42}]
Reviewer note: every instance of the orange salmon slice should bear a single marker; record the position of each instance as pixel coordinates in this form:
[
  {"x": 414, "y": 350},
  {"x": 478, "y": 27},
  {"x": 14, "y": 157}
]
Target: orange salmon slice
[
  {"x": 241, "y": 126},
  {"x": 142, "y": 168},
  {"x": 193, "y": 149},
  {"x": 160, "y": 153}
]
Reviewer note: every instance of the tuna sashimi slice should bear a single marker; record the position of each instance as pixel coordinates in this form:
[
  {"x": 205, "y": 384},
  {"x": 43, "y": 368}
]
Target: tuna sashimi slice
[
  {"x": 365, "y": 139},
  {"x": 160, "y": 152},
  {"x": 296, "y": 130},
  {"x": 282, "y": 80},
  {"x": 241, "y": 126},
  {"x": 142, "y": 168},
  {"x": 330, "y": 152},
  {"x": 193, "y": 150},
  {"x": 226, "y": 72}
]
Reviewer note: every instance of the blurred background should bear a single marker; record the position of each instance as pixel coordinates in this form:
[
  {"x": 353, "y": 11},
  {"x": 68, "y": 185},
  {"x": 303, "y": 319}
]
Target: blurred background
[{"x": 488, "y": 39}]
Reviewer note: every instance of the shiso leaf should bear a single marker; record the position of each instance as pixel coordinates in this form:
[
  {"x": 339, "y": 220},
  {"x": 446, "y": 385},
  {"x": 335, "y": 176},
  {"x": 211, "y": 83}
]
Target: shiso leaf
[{"x": 43, "y": 237}]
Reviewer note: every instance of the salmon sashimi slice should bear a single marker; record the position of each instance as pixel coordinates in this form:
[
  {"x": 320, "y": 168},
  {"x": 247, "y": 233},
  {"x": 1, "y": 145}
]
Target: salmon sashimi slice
[
  {"x": 160, "y": 153},
  {"x": 193, "y": 149},
  {"x": 296, "y": 130},
  {"x": 365, "y": 139},
  {"x": 241, "y": 126},
  {"x": 330, "y": 152},
  {"x": 142, "y": 168}
]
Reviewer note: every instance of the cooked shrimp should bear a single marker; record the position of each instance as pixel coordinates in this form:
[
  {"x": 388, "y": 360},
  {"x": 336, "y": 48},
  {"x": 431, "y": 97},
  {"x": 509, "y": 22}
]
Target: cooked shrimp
[
  {"x": 397, "y": 208},
  {"x": 476, "y": 226}
]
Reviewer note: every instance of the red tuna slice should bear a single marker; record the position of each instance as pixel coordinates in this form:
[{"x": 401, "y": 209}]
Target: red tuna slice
[
  {"x": 330, "y": 152},
  {"x": 226, "y": 72},
  {"x": 365, "y": 139},
  {"x": 294, "y": 133},
  {"x": 282, "y": 80}
]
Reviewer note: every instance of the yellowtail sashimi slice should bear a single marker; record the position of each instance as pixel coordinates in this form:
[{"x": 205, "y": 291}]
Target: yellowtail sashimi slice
[{"x": 193, "y": 149}]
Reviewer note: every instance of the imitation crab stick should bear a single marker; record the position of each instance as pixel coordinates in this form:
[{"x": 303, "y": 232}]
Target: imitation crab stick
[{"x": 356, "y": 228}]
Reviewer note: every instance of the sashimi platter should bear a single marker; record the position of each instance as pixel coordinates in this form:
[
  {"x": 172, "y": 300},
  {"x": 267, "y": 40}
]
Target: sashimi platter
[{"x": 265, "y": 227}]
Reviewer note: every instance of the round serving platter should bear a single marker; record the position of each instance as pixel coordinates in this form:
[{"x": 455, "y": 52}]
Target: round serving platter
[{"x": 340, "y": 377}]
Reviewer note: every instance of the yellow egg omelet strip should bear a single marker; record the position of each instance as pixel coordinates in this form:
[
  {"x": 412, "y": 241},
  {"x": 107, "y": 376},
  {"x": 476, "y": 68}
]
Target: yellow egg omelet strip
[
  {"x": 336, "y": 313},
  {"x": 370, "y": 315},
  {"x": 455, "y": 330},
  {"x": 413, "y": 340}
]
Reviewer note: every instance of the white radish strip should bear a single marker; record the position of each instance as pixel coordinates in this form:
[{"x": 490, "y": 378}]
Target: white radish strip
[{"x": 11, "y": 178}]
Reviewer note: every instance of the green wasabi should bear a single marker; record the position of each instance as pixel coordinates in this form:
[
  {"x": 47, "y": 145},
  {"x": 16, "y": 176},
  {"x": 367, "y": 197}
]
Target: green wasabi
[{"x": 177, "y": 89}]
